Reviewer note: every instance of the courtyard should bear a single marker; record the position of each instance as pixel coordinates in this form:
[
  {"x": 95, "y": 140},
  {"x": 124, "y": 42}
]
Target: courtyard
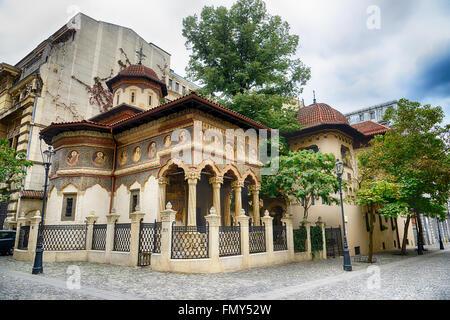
[{"x": 425, "y": 277}]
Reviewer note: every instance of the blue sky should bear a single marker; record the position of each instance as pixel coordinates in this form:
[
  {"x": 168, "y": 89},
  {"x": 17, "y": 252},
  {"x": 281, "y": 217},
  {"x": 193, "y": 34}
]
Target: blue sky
[{"x": 352, "y": 66}]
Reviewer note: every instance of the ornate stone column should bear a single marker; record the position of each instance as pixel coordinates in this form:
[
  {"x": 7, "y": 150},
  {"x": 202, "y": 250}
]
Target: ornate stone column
[
  {"x": 227, "y": 211},
  {"x": 255, "y": 189},
  {"x": 268, "y": 223},
  {"x": 163, "y": 182},
  {"x": 192, "y": 178},
  {"x": 237, "y": 186},
  {"x": 167, "y": 219},
  {"x": 245, "y": 240},
  {"x": 216, "y": 182}
]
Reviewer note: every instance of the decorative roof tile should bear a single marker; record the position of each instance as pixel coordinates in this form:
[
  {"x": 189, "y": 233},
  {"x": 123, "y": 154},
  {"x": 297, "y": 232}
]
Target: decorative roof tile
[
  {"x": 371, "y": 128},
  {"x": 320, "y": 113}
]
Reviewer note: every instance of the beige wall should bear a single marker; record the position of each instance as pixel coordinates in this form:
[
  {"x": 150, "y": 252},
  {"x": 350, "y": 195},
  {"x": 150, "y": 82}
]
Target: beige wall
[{"x": 123, "y": 95}]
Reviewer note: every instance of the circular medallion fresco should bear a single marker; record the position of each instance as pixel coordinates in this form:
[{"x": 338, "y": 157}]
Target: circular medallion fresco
[
  {"x": 99, "y": 158},
  {"x": 167, "y": 141},
  {"x": 72, "y": 157},
  {"x": 123, "y": 157},
  {"x": 136, "y": 154},
  {"x": 151, "y": 150}
]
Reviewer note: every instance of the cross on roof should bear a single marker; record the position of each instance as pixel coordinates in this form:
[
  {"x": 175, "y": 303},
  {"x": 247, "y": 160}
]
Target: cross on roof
[{"x": 140, "y": 55}]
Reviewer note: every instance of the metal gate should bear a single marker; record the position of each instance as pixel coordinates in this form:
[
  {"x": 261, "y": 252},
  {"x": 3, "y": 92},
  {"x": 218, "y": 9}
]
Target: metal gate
[
  {"x": 149, "y": 242},
  {"x": 334, "y": 242}
]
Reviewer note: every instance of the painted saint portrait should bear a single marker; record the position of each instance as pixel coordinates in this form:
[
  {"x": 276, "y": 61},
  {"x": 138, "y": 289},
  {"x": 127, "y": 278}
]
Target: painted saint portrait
[
  {"x": 123, "y": 157},
  {"x": 229, "y": 151},
  {"x": 99, "y": 158},
  {"x": 151, "y": 153},
  {"x": 167, "y": 141},
  {"x": 72, "y": 157},
  {"x": 182, "y": 137},
  {"x": 136, "y": 154}
]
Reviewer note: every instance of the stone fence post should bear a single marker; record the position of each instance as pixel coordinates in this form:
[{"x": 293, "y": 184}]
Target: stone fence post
[
  {"x": 307, "y": 225},
  {"x": 110, "y": 224},
  {"x": 135, "y": 229},
  {"x": 167, "y": 218},
  {"x": 243, "y": 220},
  {"x": 321, "y": 224},
  {"x": 268, "y": 223},
  {"x": 214, "y": 222},
  {"x": 90, "y": 220},
  {"x": 20, "y": 222},
  {"x": 287, "y": 220},
  {"x": 33, "y": 235}
]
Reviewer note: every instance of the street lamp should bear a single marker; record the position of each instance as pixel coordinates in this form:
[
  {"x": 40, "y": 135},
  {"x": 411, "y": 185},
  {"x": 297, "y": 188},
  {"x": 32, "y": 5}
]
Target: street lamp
[
  {"x": 47, "y": 159},
  {"x": 339, "y": 171}
]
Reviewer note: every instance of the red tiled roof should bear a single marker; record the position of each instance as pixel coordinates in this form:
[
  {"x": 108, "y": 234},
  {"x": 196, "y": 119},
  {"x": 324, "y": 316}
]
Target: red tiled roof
[
  {"x": 139, "y": 70},
  {"x": 32, "y": 194},
  {"x": 320, "y": 113},
  {"x": 370, "y": 128}
]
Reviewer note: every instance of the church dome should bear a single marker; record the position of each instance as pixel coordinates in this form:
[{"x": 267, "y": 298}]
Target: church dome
[
  {"x": 135, "y": 72},
  {"x": 320, "y": 113}
]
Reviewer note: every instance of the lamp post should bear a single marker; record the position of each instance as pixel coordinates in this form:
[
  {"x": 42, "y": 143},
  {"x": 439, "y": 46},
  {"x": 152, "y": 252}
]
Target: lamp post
[
  {"x": 339, "y": 171},
  {"x": 47, "y": 159}
]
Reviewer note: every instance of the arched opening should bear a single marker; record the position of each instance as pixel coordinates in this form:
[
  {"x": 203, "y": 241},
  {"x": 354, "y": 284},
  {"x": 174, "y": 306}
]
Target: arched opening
[
  {"x": 277, "y": 214},
  {"x": 176, "y": 190},
  {"x": 204, "y": 195},
  {"x": 228, "y": 198}
]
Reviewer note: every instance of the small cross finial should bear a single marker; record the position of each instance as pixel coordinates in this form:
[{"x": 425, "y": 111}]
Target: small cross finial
[
  {"x": 140, "y": 55},
  {"x": 314, "y": 95}
]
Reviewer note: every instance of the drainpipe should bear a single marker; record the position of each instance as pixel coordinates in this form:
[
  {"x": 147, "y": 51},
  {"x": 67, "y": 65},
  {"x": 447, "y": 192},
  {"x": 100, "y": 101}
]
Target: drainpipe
[{"x": 113, "y": 173}]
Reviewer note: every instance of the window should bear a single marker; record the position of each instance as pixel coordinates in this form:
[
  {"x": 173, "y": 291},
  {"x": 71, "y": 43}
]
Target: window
[
  {"x": 345, "y": 154},
  {"x": 392, "y": 224},
  {"x": 357, "y": 250},
  {"x": 149, "y": 100},
  {"x": 313, "y": 202},
  {"x": 133, "y": 97},
  {"x": 118, "y": 97},
  {"x": 313, "y": 148},
  {"x": 372, "y": 115},
  {"x": 395, "y": 244},
  {"x": 323, "y": 200},
  {"x": 134, "y": 200},
  {"x": 349, "y": 177},
  {"x": 361, "y": 117},
  {"x": 177, "y": 86},
  {"x": 170, "y": 84},
  {"x": 381, "y": 224},
  {"x": 184, "y": 89},
  {"x": 69, "y": 205},
  {"x": 384, "y": 246}
]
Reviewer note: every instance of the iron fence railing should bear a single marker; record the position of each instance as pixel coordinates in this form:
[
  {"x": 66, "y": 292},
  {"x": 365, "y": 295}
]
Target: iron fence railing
[
  {"x": 122, "y": 234},
  {"x": 23, "y": 237},
  {"x": 190, "y": 242},
  {"x": 229, "y": 241},
  {"x": 64, "y": 237},
  {"x": 257, "y": 239},
  {"x": 279, "y": 238},
  {"x": 99, "y": 237},
  {"x": 157, "y": 238}
]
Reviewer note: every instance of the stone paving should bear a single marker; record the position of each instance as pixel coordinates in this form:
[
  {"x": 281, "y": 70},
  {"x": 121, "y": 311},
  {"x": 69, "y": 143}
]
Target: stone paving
[{"x": 410, "y": 277}]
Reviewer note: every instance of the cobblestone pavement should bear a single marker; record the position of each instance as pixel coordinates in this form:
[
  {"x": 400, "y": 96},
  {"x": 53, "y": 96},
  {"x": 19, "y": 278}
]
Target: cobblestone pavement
[{"x": 410, "y": 277}]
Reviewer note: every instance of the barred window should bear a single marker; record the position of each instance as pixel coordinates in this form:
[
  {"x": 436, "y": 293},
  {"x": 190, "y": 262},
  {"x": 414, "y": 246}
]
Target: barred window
[
  {"x": 149, "y": 100},
  {"x": 134, "y": 200},
  {"x": 69, "y": 205}
]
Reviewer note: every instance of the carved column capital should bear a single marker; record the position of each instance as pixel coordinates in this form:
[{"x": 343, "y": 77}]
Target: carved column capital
[
  {"x": 192, "y": 175},
  {"x": 255, "y": 188},
  {"x": 237, "y": 184},
  {"x": 216, "y": 180},
  {"x": 163, "y": 180}
]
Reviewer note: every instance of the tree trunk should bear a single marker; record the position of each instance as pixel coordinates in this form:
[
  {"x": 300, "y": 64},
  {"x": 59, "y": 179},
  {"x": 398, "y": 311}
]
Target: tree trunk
[
  {"x": 419, "y": 233},
  {"x": 405, "y": 235},
  {"x": 396, "y": 231},
  {"x": 371, "y": 229}
]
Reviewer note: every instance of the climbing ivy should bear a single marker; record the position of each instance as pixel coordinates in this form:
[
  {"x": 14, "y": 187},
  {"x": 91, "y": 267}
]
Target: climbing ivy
[
  {"x": 316, "y": 238},
  {"x": 300, "y": 239}
]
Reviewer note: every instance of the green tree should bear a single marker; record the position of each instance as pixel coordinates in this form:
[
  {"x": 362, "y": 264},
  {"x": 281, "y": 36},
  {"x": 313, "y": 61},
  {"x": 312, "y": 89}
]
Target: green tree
[
  {"x": 13, "y": 167},
  {"x": 243, "y": 57},
  {"x": 414, "y": 154},
  {"x": 303, "y": 176}
]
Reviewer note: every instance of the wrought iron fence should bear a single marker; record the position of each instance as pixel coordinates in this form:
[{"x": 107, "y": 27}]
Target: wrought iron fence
[
  {"x": 190, "y": 242},
  {"x": 64, "y": 237},
  {"x": 23, "y": 237},
  {"x": 229, "y": 241},
  {"x": 122, "y": 234},
  {"x": 99, "y": 237},
  {"x": 149, "y": 242},
  {"x": 257, "y": 239},
  {"x": 279, "y": 238}
]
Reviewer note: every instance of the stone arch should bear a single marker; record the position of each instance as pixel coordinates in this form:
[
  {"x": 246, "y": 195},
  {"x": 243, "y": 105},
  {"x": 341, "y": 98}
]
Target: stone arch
[
  {"x": 250, "y": 174},
  {"x": 170, "y": 164},
  {"x": 211, "y": 164},
  {"x": 233, "y": 169}
]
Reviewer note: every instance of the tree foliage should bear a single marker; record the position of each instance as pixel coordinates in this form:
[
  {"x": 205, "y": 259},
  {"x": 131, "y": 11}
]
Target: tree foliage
[
  {"x": 243, "y": 57},
  {"x": 303, "y": 176},
  {"x": 13, "y": 167}
]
